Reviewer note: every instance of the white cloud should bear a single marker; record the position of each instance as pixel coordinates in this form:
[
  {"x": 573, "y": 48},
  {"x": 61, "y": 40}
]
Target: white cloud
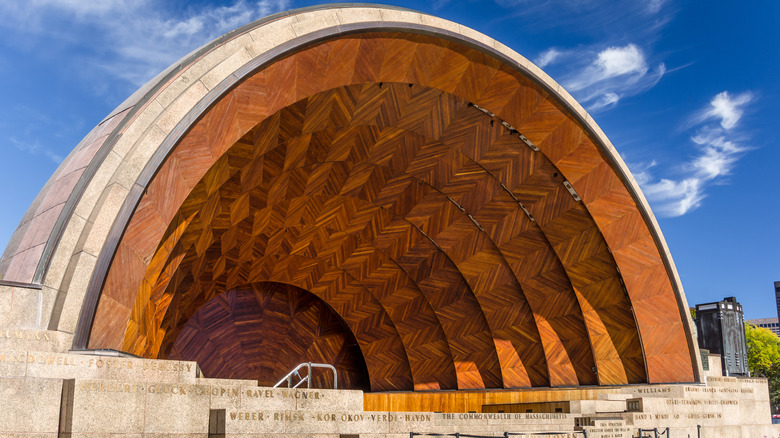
[
  {"x": 137, "y": 38},
  {"x": 600, "y": 80},
  {"x": 616, "y": 61},
  {"x": 627, "y": 61},
  {"x": 605, "y": 102},
  {"x": 718, "y": 151},
  {"x": 726, "y": 108},
  {"x": 675, "y": 197},
  {"x": 547, "y": 57}
]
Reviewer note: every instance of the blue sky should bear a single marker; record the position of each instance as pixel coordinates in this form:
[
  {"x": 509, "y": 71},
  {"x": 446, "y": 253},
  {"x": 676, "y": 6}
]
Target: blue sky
[{"x": 687, "y": 92}]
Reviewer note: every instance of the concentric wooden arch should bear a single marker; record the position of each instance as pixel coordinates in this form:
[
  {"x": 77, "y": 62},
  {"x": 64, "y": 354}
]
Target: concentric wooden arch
[
  {"x": 566, "y": 147},
  {"x": 222, "y": 337}
]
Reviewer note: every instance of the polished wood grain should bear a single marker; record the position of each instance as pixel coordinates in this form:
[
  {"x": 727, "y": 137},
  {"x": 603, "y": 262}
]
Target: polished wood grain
[
  {"x": 477, "y": 401},
  {"x": 265, "y": 330},
  {"x": 379, "y": 189}
]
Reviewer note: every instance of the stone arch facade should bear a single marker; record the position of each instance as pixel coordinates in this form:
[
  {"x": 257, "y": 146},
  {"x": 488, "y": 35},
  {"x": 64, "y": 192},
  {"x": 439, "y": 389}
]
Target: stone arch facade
[{"x": 465, "y": 218}]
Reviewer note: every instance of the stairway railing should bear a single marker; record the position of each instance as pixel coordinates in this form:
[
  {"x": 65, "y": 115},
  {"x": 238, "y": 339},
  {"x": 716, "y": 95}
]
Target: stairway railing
[{"x": 307, "y": 378}]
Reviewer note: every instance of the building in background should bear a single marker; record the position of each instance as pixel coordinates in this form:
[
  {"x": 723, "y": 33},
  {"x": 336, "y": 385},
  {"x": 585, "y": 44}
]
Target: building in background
[
  {"x": 770, "y": 324},
  {"x": 777, "y": 298},
  {"x": 721, "y": 330}
]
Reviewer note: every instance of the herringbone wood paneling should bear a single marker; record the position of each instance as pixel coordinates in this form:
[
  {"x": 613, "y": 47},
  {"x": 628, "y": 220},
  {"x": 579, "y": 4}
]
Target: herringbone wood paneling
[
  {"x": 265, "y": 330},
  {"x": 379, "y": 189}
]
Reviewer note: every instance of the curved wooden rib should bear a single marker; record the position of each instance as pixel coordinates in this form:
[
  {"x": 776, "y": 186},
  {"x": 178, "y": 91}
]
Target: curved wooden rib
[{"x": 557, "y": 265}]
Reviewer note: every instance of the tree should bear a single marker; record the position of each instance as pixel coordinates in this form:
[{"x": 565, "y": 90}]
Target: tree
[
  {"x": 763, "y": 350},
  {"x": 764, "y": 359}
]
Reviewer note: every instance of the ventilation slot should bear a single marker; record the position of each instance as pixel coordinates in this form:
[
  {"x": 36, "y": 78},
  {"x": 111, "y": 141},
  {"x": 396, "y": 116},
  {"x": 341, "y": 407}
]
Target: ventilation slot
[
  {"x": 429, "y": 238},
  {"x": 522, "y": 207},
  {"x": 484, "y": 110},
  {"x": 460, "y": 207},
  {"x": 571, "y": 190},
  {"x": 512, "y": 130},
  {"x": 529, "y": 143},
  {"x": 475, "y": 222},
  {"x": 525, "y": 210}
]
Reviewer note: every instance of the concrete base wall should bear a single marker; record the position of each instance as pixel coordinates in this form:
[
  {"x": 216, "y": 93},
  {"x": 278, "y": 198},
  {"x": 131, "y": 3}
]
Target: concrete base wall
[{"x": 49, "y": 392}]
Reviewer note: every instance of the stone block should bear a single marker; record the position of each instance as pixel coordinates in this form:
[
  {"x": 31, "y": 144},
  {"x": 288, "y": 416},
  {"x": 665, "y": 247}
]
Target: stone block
[
  {"x": 6, "y": 295},
  {"x": 254, "y": 397},
  {"x": 30, "y": 406},
  {"x": 585, "y": 407},
  {"x": 271, "y": 35},
  {"x": 101, "y": 220},
  {"x": 398, "y": 15},
  {"x": 440, "y": 23},
  {"x": 138, "y": 126},
  {"x": 226, "y": 68},
  {"x": 476, "y": 36},
  {"x": 26, "y": 308},
  {"x": 254, "y": 421},
  {"x": 176, "y": 408},
  {"x": 75, "y": 282},
  {"x": 411, "y": 421},
  {"x": 314, "y": 21},
  {"x": 101, "y": 406},
  {"x": 173, "y": 113},
  {"x": 12, "y": 364},
  {"x": 64, "y": 251},
  {"x": 223, "y": 395},
  {"x": 144, "y": 148},
  {"x": 358, "y": 15},
  {"x": 48, "y": 300},
  {"x": 327, "y": 399}
]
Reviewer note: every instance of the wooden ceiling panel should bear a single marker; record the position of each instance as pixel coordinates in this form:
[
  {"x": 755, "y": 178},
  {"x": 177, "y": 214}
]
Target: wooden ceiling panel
[{"x": 449, "y": 248}]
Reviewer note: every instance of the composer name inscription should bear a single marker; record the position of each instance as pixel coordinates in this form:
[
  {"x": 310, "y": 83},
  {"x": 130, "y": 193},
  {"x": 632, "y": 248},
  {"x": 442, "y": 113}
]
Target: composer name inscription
[{"x": 53, "y": 359}]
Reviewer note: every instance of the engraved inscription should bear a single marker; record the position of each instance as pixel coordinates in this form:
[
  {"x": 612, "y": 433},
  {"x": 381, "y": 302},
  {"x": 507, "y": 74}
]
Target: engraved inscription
[
  {"x": 55, "y": 359},
  {"x": 29, "y": 335},
  {"x": 174, "y": 389}
]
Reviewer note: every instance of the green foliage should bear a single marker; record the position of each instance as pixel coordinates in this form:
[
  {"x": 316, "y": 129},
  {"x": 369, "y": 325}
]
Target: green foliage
[
  {"x": 773, "y": 376},
  {"x": 764, "y": 359},
  {"x": 763, "y": 350}
]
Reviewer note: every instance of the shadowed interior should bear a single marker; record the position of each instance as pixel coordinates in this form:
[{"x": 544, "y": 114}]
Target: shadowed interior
[
  {"x": 452, "y": 251},
  {"x": 262, "y": 331}
]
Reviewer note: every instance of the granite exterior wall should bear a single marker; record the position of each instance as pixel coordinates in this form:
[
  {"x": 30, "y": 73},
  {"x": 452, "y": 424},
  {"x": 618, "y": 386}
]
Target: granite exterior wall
[{"x": 50, "y": 392}]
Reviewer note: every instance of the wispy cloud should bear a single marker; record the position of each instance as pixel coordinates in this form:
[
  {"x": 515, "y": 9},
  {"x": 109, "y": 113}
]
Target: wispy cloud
[
  {"x": 719, "y": 146},
  {"x": 725, "y": 108},
  {"x": 110, "y": 47},
  {"x": 547, "y": 57},
  {"x": 34, "y": 148},
  {"x": 138, "y": 38},
  {"x": 600, "y": 19},
  {"x": 600, "y": 79},
  {"x": 654, "y": 6}
]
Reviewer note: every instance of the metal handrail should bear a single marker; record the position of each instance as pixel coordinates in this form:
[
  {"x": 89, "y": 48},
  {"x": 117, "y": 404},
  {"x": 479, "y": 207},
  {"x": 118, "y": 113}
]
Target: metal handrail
[{"x": 307, "y": 378}]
